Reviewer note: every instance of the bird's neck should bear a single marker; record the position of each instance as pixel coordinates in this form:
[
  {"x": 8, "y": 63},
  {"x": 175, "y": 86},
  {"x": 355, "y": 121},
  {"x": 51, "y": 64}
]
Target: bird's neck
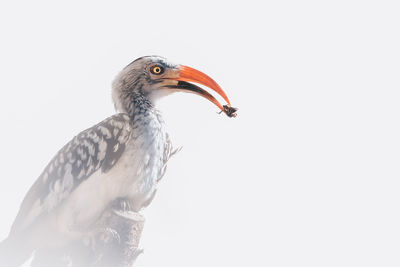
[{"x": 140, "y": 108}]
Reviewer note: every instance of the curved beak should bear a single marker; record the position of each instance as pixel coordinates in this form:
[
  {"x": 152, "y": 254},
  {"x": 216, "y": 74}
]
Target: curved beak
[{"x": 187, "y": 74}]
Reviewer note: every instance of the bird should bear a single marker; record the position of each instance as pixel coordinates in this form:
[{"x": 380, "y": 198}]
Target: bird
[{"x": 123, "y": 156}]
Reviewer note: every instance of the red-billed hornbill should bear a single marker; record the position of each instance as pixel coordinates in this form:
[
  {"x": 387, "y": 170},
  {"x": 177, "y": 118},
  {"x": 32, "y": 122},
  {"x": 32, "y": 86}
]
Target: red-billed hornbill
[{"x": 121, "y": 157}]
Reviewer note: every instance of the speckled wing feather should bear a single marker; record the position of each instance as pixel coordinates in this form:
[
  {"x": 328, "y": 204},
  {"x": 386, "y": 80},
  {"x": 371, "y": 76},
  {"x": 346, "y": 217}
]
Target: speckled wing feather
[{"x": 98, "y": 147}]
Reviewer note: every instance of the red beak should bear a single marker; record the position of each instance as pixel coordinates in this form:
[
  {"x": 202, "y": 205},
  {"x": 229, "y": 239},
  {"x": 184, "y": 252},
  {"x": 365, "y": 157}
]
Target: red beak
[{"x": 188, "y": 74}]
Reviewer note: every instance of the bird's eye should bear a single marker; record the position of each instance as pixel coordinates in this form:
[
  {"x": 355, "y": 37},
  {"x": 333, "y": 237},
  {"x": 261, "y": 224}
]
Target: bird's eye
[{"x": 157, "y": 70}]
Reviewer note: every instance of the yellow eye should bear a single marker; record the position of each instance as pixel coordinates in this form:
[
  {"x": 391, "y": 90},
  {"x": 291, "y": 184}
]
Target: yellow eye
[{"x": 157, "y": 70}]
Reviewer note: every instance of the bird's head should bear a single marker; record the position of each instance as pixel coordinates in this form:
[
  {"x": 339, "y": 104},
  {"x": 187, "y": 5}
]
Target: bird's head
[{"x": 153, "y": 77}]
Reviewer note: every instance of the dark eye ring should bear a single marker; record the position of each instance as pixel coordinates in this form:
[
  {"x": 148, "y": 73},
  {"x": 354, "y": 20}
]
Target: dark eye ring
[{"x": 157, "y": 70}]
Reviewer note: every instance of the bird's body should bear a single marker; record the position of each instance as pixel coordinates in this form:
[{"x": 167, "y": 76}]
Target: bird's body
[
  {"x": 122, "y": 157},
  {"x": 118, "y": 158}
]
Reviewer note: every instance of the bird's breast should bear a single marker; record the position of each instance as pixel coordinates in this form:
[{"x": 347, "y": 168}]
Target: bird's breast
[{"x": 142, "y": 165}]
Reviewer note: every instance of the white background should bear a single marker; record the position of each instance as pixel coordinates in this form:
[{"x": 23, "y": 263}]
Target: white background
[{"x": 306, "y": 175}]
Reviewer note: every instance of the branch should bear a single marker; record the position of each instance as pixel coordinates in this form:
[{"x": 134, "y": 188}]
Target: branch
[{"x": 113, "y": 241}]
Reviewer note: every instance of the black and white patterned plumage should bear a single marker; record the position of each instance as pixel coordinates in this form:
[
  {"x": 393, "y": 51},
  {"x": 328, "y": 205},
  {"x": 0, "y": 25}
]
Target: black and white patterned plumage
[{"x": 98, "y": 147}]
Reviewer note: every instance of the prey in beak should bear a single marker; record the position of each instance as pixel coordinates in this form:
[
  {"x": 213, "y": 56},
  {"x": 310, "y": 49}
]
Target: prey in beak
[{"x": 186, "y": 76}]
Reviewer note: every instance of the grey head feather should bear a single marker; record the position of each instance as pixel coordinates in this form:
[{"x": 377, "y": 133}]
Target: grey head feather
[{"x": 135, "y": 80}]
